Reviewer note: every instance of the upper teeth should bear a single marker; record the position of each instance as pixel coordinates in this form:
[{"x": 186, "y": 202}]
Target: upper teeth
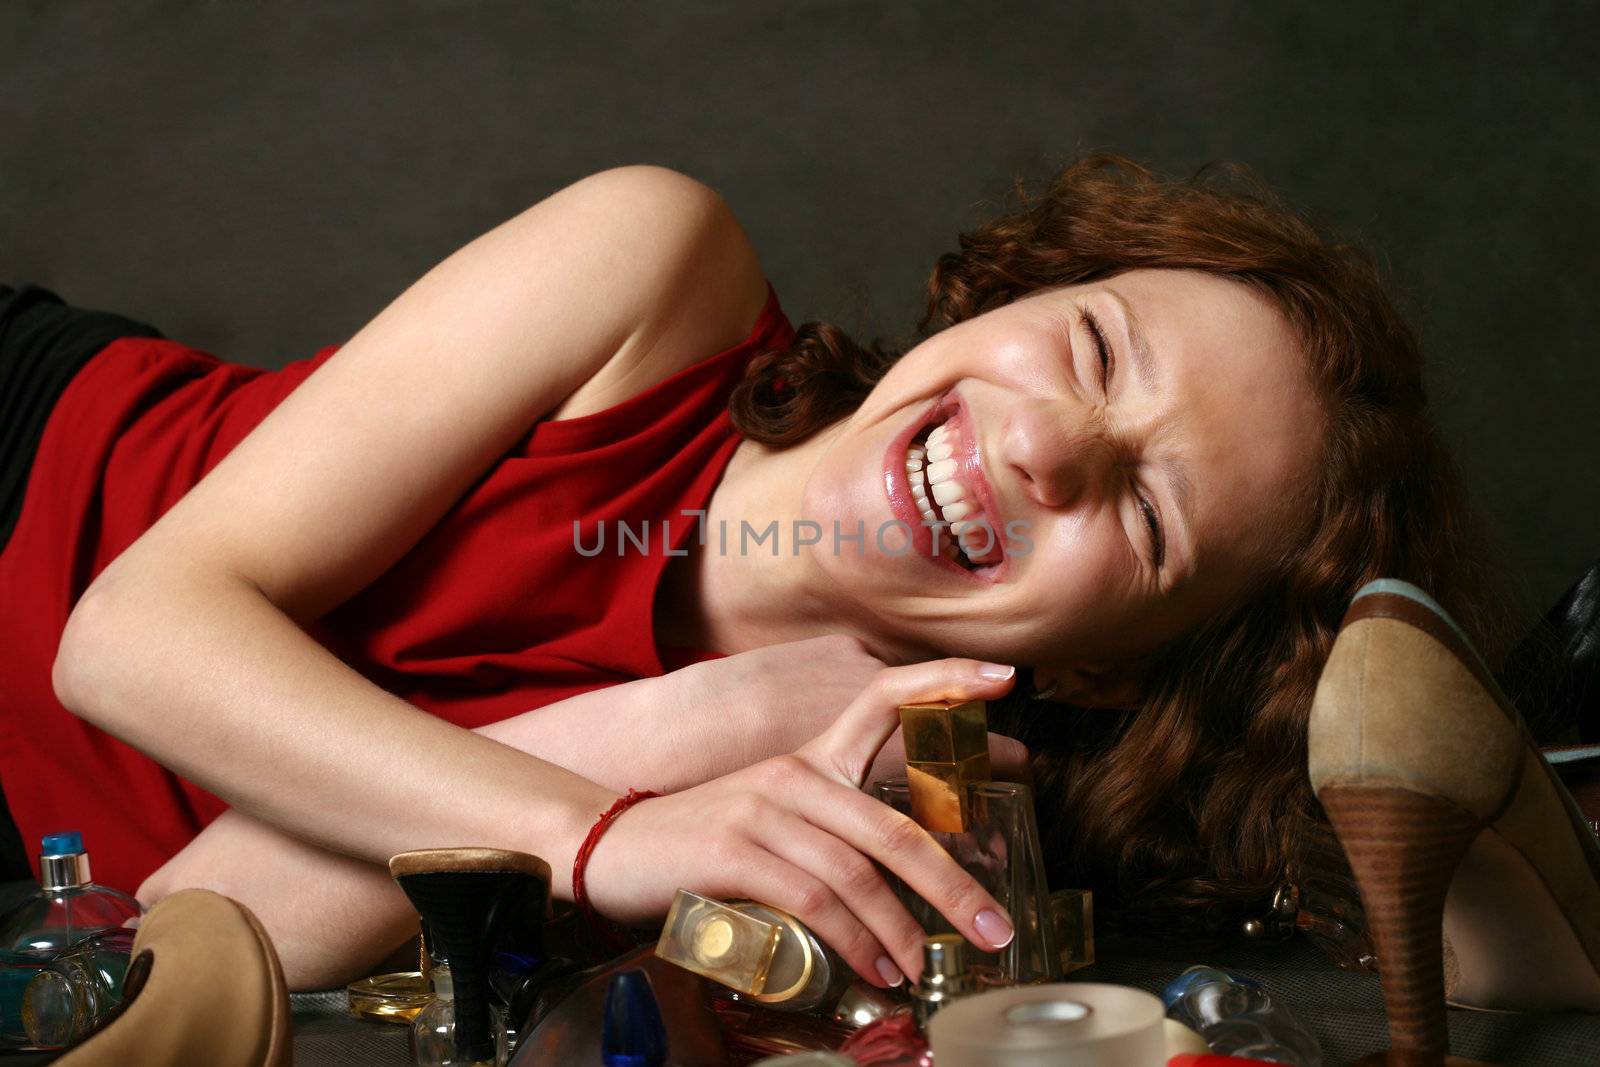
[{"x": 936, "y": 464}]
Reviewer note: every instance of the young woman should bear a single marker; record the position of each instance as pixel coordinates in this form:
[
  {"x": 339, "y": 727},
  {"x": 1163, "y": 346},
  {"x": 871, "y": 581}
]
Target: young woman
[{"x": 1176, "y": 428}]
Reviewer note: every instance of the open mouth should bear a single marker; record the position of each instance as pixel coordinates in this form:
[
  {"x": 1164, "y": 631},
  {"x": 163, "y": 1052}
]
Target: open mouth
[{"x": 965, "y": 534}]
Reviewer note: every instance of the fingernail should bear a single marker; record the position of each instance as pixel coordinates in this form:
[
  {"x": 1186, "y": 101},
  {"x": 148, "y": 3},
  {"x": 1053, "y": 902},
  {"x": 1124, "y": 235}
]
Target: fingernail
[
  {"x": 889, "y": 972},
  {"x": 995, "y": 672},
  {"x": 994, "y": 928}
]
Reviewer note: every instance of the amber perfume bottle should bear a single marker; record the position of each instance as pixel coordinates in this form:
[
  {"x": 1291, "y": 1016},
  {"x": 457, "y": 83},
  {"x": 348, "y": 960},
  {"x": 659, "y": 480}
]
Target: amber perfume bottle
[
  {"x": 1000, "y": 848},
  {"x": 759, "y": 952}
]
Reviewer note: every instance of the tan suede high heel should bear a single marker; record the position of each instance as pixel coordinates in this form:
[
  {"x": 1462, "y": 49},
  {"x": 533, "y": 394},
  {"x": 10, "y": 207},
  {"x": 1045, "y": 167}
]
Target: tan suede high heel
[{"x": 1455, "y": 826}]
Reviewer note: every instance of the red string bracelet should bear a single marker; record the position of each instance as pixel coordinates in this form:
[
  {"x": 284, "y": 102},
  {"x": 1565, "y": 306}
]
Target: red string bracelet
[{"x": 580, "y": 894}]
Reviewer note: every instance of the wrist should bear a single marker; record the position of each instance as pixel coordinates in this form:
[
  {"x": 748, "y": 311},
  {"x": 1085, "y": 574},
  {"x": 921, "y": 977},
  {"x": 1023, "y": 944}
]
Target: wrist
[
  {"x": 565, "y": 831},
  {"x": 603, "y": 931}
]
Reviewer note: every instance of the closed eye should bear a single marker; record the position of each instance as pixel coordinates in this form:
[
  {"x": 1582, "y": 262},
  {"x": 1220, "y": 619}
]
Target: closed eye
[
  {"x": 1102, "y": 348},
  {"x": 1152, "y": 521}
]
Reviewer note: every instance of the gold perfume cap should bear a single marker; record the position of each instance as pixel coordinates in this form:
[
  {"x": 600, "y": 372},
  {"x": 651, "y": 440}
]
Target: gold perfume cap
[
  {"x": 720, "y": 942},
  {"x": 947, "y": 746}
]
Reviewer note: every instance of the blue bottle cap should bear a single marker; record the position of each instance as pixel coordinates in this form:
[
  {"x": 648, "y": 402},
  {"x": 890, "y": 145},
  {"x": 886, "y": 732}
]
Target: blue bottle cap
[
  {"x": 633, "y": 1035},
  {"x": 61, "y": 843}
]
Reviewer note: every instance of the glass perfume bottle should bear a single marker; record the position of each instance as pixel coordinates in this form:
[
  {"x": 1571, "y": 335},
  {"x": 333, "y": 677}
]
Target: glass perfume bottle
[
  {"x": 761, "y": 953},
  {"x": 68, "y": 907},
  {"x": 77, "y": 990},
  {"x": 433, "y": 1030},
  {"x": 1000, "y": 848},
  {"x": 1236, "y": 1017}
]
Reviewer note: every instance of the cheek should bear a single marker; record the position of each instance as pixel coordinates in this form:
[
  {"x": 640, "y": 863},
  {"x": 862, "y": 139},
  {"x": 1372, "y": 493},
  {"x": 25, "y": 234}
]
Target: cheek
[{"x": 1078, "y": 574}]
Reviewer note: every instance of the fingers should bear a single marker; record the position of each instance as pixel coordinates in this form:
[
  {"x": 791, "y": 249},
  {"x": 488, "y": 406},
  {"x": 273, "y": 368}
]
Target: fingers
[
  {"x": 879, "y": 832},
  {"x": 845, "y": 750},
  {"x": 1009, "y": 760},
  {"x": 860, "y": 917}
]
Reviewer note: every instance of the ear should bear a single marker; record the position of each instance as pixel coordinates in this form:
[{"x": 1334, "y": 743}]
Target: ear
[{"x": 1116, "y": 687}]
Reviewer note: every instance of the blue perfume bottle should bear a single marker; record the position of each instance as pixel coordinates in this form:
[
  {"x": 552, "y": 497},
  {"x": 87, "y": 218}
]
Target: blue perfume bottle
[{"x": 68, "y": 908}]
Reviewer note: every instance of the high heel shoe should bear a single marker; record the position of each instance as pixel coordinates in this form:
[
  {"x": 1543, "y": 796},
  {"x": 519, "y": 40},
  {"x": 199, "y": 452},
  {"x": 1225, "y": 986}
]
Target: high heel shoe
[{"x": 1453, "y": 823}]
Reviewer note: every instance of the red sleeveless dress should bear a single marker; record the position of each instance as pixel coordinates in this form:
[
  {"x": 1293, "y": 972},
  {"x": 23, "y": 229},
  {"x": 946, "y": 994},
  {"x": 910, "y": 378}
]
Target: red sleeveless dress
[{"x": 494, "y": 612}]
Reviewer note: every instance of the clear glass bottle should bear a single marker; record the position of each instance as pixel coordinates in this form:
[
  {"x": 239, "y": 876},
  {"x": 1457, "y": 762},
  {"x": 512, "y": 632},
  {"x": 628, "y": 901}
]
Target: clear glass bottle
[
  {"x": 433, "y": 1031},
  {"x": 1000, "y": 848},
  {"x": 77, "y": 991},
  {"x": 68, "y": 907},
  {"x": 1236, "y": 1017}
]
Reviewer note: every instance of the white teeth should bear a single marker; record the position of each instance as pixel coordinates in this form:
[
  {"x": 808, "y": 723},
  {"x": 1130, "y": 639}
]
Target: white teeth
[
  {"x": 933, "y": 467},
  {"x": 948, "y": 492}
]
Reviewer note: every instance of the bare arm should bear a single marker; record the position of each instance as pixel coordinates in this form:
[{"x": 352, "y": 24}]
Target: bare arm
[
  {"x": 189, "y": 646},
  {"x": 334, "y": 919}
]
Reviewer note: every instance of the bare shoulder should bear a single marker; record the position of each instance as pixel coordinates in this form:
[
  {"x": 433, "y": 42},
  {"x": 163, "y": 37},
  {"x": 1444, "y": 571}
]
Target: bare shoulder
[{"x": 706, "y": 287}]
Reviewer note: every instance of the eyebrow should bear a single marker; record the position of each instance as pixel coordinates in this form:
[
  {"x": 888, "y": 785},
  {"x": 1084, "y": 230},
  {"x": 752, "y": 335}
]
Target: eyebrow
[
  {"x": 1143, "y": 362},
  {"x": 1144, "y": 368}
]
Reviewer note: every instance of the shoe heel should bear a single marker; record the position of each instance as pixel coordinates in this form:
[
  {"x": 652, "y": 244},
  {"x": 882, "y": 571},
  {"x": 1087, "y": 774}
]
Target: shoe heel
[{"x": 1403, "y": 848}]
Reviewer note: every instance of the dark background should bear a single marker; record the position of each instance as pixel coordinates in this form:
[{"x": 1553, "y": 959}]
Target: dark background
[{"x": 259, "y": 180}]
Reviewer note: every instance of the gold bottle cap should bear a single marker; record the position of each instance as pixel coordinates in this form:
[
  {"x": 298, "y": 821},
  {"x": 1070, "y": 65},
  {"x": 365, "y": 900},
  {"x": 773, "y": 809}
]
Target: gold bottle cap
[
  {"x": 720, "y": 942},
  {"x": 947, "y": 747}
]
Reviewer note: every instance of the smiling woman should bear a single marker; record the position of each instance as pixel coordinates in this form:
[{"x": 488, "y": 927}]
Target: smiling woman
[
  {"x": 1212, "y": 421},
  {"x": 1159, "y": 435}
]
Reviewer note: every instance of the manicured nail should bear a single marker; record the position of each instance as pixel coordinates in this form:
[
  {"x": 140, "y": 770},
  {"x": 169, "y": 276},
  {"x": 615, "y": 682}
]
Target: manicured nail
[
  {"x": 995, "y": 672},
  {"x": 994, "y": 928},
  {"x": 889, "y": 972}
]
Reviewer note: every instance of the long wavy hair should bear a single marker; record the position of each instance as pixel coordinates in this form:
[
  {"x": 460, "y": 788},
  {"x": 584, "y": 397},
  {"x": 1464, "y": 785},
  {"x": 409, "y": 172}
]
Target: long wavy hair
[{"x": 1181, "y": 813}]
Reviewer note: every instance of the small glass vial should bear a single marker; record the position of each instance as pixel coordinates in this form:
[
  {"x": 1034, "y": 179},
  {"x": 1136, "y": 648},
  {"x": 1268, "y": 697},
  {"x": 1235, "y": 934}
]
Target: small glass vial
[{"x": 433, "y": 1031}]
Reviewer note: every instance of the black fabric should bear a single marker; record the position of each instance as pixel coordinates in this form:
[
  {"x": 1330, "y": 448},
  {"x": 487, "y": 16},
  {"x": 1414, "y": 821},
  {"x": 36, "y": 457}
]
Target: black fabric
[
  {"x": 13, "y": 855},
  {"x": 1554, "y": 673},
  {"x": 43, "y": 342}
]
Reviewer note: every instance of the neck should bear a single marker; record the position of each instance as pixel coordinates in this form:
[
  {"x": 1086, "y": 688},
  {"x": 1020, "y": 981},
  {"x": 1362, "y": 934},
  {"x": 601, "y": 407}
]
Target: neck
[{"x": 733, "y": 593}]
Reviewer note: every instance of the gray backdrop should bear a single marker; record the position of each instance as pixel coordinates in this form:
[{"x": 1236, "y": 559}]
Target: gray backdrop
[{"x": 260, "y": 179}]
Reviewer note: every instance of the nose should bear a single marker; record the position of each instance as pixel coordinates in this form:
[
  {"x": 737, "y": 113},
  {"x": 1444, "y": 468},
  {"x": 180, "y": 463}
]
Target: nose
[{"x": 1058, "y": 453}]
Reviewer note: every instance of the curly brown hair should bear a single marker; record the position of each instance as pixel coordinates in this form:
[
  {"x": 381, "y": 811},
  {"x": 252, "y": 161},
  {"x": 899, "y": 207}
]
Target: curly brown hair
[{"x": 1179, "y": 814}]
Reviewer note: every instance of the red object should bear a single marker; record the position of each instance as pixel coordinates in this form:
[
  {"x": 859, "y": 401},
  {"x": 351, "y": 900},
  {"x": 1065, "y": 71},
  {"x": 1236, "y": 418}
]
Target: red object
[
  {"x": 492, "y": 613},
  {"x": 1206, "y": 1059},
  {"x": 580, "y": 891},
  {"x": 893, "y": 1041}
]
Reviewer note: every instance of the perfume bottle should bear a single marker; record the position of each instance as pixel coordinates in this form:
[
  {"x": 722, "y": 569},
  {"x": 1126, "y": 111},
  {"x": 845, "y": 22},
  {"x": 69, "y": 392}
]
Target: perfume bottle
[
  {"x": 77, "y": 990},
  {"x": 759, "y": 952},
  {"x": 1236, "y": 1017},
  {"x": 1000, "y": 848},
  {"x": 67, "y": 908},
  {"x": 434, "y": 1036}
]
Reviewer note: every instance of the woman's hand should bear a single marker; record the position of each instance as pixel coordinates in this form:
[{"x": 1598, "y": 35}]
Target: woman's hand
[{"x": 796, "y": 832}]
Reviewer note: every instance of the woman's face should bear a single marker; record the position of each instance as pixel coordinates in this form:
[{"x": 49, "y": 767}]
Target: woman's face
[{"x": 1137, "y": 445}]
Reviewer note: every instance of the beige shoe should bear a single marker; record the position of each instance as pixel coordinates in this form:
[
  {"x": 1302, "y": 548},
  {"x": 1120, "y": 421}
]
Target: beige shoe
[
  {"x": 204, "y": 987},
  {"x": 1453, "y": 823}
]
